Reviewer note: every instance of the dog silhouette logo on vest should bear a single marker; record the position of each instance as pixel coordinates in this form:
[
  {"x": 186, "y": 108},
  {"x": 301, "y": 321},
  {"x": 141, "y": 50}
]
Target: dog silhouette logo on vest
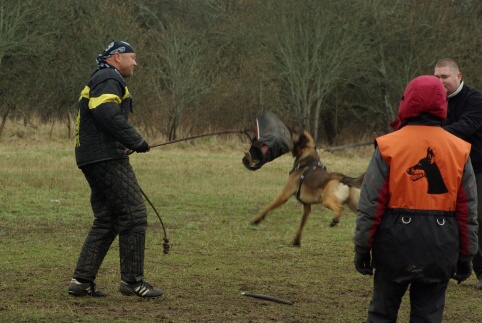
[{"x": 427, "y": 168}]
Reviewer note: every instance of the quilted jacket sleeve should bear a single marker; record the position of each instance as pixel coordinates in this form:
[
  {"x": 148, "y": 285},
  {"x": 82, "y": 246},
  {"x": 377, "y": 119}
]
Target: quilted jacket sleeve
[
  {"x": 372, "y": 203},
  {"x": 110, "y": 109},
  {"x": 466, "y": 213}
]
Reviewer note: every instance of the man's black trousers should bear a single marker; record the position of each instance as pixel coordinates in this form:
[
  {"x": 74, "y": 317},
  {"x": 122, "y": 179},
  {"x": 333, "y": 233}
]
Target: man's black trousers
[{"x": 119, "y": 209}]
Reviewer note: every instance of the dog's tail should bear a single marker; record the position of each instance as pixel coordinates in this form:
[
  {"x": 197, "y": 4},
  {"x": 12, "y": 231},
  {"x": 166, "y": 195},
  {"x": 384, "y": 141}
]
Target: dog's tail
[{"x": 353, "y": 182}]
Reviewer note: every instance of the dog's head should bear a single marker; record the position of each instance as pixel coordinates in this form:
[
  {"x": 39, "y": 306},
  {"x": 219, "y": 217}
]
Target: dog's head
[
  {"x": 302, "y": 141},
  {"x": 419, "y": 170}
]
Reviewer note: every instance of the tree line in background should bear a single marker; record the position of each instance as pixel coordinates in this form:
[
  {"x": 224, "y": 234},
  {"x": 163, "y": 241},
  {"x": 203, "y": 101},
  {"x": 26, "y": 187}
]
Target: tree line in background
[{"x": 335, "y": 67}]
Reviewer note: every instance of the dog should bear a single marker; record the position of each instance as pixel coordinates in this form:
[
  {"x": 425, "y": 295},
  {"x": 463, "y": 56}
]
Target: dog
[
  {"x": 427, "y": 168},
  {"x": 312, "y": 184}
]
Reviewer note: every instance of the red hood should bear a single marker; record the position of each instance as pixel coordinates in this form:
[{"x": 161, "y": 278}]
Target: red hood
[{"x": 423, "y": 94}]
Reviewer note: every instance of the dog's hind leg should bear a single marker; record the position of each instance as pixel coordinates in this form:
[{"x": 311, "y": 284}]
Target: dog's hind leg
[
  {"x": 335, "y": 206},
  {"x": 304, "y": 219},
  {"x": 336, "y": 219},
  {"x": 334, "y": 196},
  {"x": 352, "y": 201}
]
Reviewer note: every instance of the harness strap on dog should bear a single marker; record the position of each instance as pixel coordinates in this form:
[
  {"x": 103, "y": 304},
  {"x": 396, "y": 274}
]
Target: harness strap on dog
[
  {"x": 303, "y": 175},
  {"x": 299, "y": 165}
]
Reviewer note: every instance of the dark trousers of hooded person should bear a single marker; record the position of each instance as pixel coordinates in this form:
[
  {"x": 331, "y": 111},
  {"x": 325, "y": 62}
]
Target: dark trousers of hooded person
[
  {"x": 119, "y": 209},
  {"x": 427, "y": 301}
]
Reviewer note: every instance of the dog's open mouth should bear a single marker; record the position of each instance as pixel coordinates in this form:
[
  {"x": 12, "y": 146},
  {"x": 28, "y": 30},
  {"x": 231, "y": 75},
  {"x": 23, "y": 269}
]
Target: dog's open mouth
[
  {"x": 417, "y": 176},
  {"x": 251, "y": 162},
  {"x": 257, "y": 156},
  {"x": 414, "y": 174}
]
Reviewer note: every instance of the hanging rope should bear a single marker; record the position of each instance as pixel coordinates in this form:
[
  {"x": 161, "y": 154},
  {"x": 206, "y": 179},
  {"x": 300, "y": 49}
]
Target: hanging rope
[{"x": 165, "y": 239}]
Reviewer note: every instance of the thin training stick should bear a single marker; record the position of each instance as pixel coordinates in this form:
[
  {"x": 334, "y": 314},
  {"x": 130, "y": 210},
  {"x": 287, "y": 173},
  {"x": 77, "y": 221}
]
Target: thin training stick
[{"x": 267, "y": 298}]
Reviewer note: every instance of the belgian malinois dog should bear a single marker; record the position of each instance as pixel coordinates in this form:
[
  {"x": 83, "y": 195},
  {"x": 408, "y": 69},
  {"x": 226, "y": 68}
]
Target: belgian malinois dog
[{"x": 311, "y": 183}]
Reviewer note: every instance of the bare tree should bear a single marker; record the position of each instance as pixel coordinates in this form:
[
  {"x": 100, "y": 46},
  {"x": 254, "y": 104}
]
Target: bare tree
[
  {"x": 406, "y": 39},
  {"x": 22, "y": 34},
  {"x": 181, "y": 79},
  {"x": 21, "y": 31},
  {"x": 315, "y": 48},
  {"x": 218, "y": 63},
  {"x": 77, "y": 45}
]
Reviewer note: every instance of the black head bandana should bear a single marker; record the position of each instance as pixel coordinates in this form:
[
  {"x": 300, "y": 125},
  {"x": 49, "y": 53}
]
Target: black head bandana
[{"x": 114, "y": 47}]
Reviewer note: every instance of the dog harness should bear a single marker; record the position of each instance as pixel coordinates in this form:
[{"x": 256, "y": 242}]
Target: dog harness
[{"x": 308, "y": 169}]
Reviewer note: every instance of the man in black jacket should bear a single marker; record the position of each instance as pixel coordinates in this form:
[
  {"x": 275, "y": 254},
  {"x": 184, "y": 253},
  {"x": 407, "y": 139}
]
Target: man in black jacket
[
  {"x": 464, "y": 119},
  {"x": 104, "y": 139}
]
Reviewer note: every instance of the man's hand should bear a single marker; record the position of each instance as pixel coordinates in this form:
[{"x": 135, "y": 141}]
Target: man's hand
[
  {"x": 143, "y": 148},
  {"x": 464, "y": 270},
  {"x": 363, "y": 263}
]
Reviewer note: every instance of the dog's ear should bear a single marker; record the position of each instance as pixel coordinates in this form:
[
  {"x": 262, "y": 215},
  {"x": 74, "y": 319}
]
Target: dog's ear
[
  {"x": 295, "y": 136},
  {"x": 296, "y": 132},
  {"x": 430, "y": 155},
  {"x": 304, "y": 141},
  {"x": 300, "y": 140}
]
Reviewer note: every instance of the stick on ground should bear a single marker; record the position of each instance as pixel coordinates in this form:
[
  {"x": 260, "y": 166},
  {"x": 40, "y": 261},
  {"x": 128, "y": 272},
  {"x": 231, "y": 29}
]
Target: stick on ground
[{"x": 267, "y": 298}]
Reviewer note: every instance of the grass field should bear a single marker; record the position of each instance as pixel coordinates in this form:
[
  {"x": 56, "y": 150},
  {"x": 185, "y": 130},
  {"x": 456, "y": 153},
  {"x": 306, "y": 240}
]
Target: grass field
[{"x": 206, "y": 198}]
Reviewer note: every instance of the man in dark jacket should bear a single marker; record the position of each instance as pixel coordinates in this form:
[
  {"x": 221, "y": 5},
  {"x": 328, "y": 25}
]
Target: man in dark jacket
[
  {"x": 464, "y": 119},
  {"x": 104, "y": 139},
  {"x": 417, "y": 212}
]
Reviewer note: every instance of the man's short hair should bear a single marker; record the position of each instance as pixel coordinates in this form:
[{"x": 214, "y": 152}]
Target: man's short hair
[{"x": 448, "y": 62}]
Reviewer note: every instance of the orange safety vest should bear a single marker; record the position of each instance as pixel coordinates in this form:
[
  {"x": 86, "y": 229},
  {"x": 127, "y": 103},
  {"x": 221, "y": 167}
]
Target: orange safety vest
[{"x": 426, "y": 167}]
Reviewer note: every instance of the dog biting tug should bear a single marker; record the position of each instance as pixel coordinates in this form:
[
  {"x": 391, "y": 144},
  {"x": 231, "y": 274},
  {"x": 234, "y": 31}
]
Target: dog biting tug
[
  {"x": 272, "y": 140},
  {"x": 308, "y": 180}
]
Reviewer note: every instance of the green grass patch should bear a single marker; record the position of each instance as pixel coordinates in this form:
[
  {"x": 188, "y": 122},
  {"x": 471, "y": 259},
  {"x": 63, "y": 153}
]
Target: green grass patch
[{"x": 206, "y": 199}]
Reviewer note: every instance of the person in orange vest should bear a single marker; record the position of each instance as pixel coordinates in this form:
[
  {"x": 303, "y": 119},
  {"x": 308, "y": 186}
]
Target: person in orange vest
[{"x": 417, "y": 214}]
